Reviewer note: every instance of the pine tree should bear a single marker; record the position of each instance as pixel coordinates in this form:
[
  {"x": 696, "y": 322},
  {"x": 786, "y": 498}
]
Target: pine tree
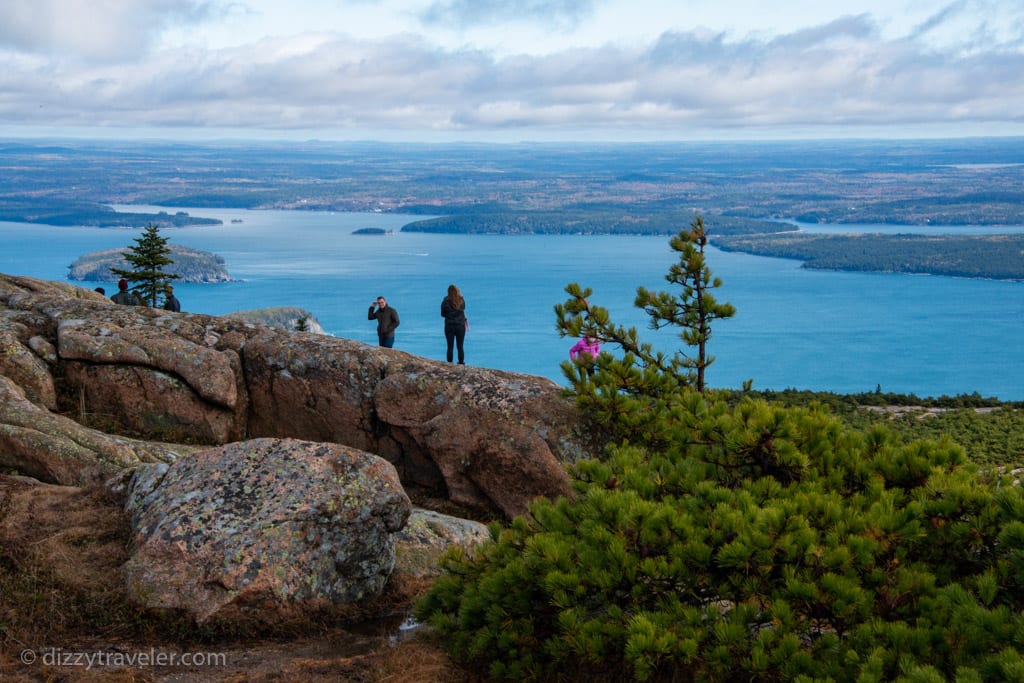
[
  {"x": 148, "y": 257},
  {"x": 693, "y": 310},
  {"x": 696, "y": 308},
  {"x": 625, "y": 396}
]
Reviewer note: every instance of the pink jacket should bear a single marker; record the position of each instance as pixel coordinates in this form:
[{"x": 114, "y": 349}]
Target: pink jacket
[{"x": 593, "y": 348}]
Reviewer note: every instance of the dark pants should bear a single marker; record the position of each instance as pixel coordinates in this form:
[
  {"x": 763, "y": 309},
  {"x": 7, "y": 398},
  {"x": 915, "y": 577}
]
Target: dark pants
[
  {"x": 455, "y": 335},
  {"x": 387, "y": 342}
]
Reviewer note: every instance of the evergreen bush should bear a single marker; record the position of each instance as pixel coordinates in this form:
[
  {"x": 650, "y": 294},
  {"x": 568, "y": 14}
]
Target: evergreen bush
[
  {"x": 722, "y": 540},
  {"x": 766, "y": 543}
]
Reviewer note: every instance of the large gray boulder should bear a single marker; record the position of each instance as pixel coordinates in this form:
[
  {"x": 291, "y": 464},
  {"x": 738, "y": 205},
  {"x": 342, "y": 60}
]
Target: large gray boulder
[{"x": 263, "y": 529}]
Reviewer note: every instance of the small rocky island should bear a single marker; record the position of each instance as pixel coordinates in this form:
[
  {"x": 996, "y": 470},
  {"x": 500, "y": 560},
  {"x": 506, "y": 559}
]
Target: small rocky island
[
  {"x": 289, "y": 318},
  {"x": 191, "y": 265},
  {"x": 371, "y": 231}
]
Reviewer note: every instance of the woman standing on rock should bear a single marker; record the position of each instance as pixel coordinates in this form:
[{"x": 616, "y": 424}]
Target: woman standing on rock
[{"x": 453, "y": 310}]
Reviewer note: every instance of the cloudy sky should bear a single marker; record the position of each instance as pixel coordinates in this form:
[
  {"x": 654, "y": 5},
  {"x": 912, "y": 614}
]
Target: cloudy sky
[{"x": 507, "y": 70}]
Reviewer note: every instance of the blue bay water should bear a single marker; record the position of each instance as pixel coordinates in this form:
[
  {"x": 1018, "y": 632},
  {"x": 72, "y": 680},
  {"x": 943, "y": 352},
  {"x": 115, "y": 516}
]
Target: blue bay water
[{"x": 830, "y": 331}]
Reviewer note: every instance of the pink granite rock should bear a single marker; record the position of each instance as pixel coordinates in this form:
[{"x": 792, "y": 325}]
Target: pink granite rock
[
  {"x": 264, "y": 529},
  {"x": 485, "y": 438}
]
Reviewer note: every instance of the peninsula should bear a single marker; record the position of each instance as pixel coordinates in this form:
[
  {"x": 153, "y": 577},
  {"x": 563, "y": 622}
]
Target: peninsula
[{"x": 996, "y": 257}]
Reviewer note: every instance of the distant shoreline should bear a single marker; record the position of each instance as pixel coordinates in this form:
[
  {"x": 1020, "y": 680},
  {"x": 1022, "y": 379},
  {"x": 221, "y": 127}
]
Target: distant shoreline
[
  {"x": 992, "y": 257},
  {"x": 916, "y": 251}
]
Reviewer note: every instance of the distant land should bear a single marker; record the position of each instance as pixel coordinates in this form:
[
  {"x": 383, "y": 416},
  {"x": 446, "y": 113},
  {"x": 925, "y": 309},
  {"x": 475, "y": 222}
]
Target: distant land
[
  {"x": 191, "y": 265},
  {"x": 741, "y": 189},
  {"x": 93, "y": 215},
  {"x": 997, "y": 257},
  {"x": 371, "y": 231},
  {"x": 588, "y": 222}
]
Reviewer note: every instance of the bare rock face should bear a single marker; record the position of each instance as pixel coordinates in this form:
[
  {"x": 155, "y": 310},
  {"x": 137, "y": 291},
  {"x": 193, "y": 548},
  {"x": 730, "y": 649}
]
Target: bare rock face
[
  {"x": 153, "y": 382},
  {"x": 493, "y": 439},
  {"x": 264, "y": 529},
  {"x": 485, "y": 438},
  {"x": 53, "y": 448},
  {"x": 22, "y": 365},
  {"x": 484, "y": 429}
]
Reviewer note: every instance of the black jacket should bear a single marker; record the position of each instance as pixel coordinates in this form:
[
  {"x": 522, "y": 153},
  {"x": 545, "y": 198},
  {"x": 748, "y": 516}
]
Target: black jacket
[
  {"x": 453, "y": 317},
  {"x": 126, "y": 298},
  {"x": 387, "y": 320}
]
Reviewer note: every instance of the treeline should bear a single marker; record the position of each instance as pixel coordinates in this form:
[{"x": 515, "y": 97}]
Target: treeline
[
  {"x": 996, "y": 207},
  {"x": 998, "y": 257},
  {"x": 605, "y": 221},
  {"x": 877, "y": 399},
  {"x": 990, "y": 431}
]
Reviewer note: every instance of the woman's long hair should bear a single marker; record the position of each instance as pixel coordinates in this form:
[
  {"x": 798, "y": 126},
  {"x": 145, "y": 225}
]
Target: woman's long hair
[{"x": 455, "y": 297}]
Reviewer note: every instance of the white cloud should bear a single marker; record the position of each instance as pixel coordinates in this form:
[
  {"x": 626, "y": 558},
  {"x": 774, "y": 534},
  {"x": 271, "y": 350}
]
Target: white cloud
[
  {"x": 92, "y": 29},
  {"x": 848, "y": 72}
]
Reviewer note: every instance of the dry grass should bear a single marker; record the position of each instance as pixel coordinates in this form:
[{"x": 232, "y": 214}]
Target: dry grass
[
  {"x": 417, "y": 661},
  {"x": 61, "y": 588}
]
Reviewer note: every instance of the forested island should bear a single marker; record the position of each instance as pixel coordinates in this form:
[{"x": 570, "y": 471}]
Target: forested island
[
  {"x": 606, "y": 220},
  {"x": 998, "y": 257},
  {"x": 190, "y": 265}
]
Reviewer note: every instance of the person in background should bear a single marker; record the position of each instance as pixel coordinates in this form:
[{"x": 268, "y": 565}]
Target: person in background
[
  {"x": 387, "y": 321},
  {"x": 171, "y": 302},
  {"x": 100, "y": 290},
  {"x": 125, "y": 297},
  {"x": 586, "y": 351},
  {"x": 453, "y": 310}
]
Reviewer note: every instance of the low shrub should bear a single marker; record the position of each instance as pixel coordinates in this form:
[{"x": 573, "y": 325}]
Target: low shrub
[{"x": 767, "y": 543}]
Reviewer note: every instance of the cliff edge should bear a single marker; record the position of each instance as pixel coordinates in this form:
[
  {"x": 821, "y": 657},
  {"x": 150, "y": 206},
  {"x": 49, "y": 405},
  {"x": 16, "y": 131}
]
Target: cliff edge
[{"x": 89, "y": 388}]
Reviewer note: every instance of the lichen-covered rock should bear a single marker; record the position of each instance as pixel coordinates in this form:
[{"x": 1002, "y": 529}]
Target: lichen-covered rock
[
  {"x": 19, "y": 362},
  {"x": 265, "y": 529},
  {"x": 311, "y": 387},
  {"x": 428, "y": 535},
  {"x": 135, "y": 486},
  {"x": 493, "y": 440},
  {"x": 141, "y": 399},
  {"x": 207, "y": 371}
]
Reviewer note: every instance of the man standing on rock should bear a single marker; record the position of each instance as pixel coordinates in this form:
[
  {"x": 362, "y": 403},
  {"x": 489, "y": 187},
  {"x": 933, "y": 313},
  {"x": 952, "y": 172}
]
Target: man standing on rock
[
  {"x": 387, "y": 321},
  {"x": 171, "y": 302}
]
